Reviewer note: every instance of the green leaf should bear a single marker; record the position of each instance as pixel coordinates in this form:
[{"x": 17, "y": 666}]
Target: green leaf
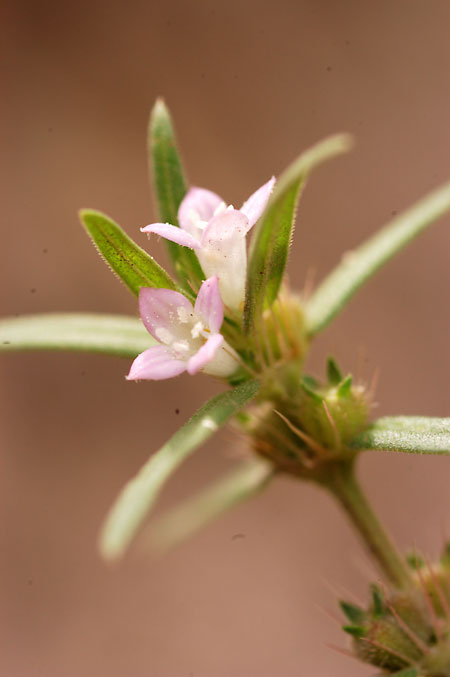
[
  {"x": 407, "y": 672},
  {"x": 140, "y": 493},
  {"x": 359, "y": 265},
  {"x": 87, "y": 332},
  {"x": 170, "y": 188},
  {"x": 354, "y": 630},
  {"x": 411, "y": 434},
  {"x": 345, "y": 386},
  {"x": 377, "y": 601},
  {"x": 308, "y": 385},
  {"x": 126, "y": 259},
  {"x": 334, "y": 374},
  {"x": 353, "y": 613},
  {"x": 197, "y": 512},
  {"x": 273, "y": 233}
]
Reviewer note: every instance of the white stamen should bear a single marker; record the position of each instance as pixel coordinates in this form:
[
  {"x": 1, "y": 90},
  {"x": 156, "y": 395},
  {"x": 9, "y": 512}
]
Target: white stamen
[
  {"x": 180, "y": 346},
  {"x": 195, "y": 219},
  {"x": 220, "y": 208},
  {"x": 197, "y": 330},
  {"x": 164, "y": 335}
]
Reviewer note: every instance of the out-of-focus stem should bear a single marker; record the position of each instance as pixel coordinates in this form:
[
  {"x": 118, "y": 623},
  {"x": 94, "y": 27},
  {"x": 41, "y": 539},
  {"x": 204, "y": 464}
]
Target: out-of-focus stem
[{"x": 342, "y": 483}]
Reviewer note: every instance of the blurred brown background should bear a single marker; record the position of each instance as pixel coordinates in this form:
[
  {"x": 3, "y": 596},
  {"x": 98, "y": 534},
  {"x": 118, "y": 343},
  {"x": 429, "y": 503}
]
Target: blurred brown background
[{"x": 250, "y": 84}]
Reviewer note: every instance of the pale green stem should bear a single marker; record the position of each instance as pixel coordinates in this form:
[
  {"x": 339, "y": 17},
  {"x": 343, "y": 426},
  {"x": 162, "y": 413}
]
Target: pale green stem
[{"x": 342, "y": 483}]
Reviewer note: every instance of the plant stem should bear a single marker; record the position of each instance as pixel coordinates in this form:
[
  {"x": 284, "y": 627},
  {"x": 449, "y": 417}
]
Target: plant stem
[{"x": 342, "y": 483}]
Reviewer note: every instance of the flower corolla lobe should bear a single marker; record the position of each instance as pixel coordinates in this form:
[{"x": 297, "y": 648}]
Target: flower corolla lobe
[
  {"x": 216, "y": 232},
  {"x": 188, "y": 335}
]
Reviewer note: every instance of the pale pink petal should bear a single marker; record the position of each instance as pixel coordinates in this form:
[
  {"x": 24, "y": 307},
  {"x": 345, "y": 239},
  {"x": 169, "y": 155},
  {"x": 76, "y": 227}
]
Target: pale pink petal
[
  {"x": 209, "y": 305},
  {"x": 172, "y": 233},
  {"x": 206, "y": 353},
  {"x": 256, "y": 203},
  {"x": 223, "y": 253},
  {"x": 166, "y": 314},
  {"x": 198, "y": 203},
  {"x": 155, "y": 364},
  {"x": 226, "y": 226}
]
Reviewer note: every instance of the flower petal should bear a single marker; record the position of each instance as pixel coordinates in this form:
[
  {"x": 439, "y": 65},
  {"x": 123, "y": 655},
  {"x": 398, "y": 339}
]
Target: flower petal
[
  {"x": 172, "y": 233},
  {"x": 209, "y": 305},
  {"x": 223, "y": 253},
  {"x": 197, "y": 204},
  {"x": 166, "y": 314},
  {"x": 156, "y": 363},
  {"x": 256, "y": 203},
  {"x": 226, "y": 226},
  {"x": 206, "y": 353}
]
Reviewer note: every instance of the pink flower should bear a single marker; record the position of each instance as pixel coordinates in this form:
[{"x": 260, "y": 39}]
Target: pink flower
[
  {"x": 189, "y": 335},
  {"x": 217, "y": 234}
]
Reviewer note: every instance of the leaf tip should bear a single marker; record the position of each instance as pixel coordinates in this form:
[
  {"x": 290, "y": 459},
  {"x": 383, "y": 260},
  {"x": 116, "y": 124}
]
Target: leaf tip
[
  {"x": 159, "y": 115},
  {"x": 110, "y": 549},
  {"x": 86, "y": 215}
]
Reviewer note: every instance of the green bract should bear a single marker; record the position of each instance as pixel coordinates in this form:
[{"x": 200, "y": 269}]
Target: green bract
[
  {"x": 271, "y": 241},
  {"x": 130, "y": 263},
  {"x": 170, "y": 188}
]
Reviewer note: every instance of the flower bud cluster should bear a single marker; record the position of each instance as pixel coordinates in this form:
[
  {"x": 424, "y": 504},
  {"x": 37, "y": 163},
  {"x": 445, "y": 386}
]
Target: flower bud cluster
[
  {"x": 303, "y": 426},
  {"x": 406, "y": 632}
]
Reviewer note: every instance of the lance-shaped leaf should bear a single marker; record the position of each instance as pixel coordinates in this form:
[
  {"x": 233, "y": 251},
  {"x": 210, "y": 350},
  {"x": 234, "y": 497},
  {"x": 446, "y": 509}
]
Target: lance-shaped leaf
[
  {"x": 197, "y": 512},
  {"x": 170, "y": 188},
  {"x": 126, "y": 259},
  {"x": 139, "y": 494},
  {"x": 360, "y": 264},
  {"x": 411, "y": 434},
  {"x": 86, "y": 332},
  {"x": 273, "y": 233}
]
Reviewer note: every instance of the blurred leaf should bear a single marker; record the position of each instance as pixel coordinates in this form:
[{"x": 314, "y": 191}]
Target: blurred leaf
[
  {"x": 309, "y": 386},
  {"x": 354, "y": 630},
  {"x": 87, "y": 332},
  {"x": 273, "y": 233},
  {"x": 407, "y": 672},
  {"x": 353, "y": 613},
  {"x": 378, "y": 607},
  {"x": 411, "y": 434},
  {"x": 345, "y": 387},
  {"x": 139, "y": 494},
  {"x": 197, "y": 512},
  {"x": 170, "y": 188},
  {"x": 360, "y": 264},
  {"x": 130, "y": 263},
  {"x": 334, "y": 374}
]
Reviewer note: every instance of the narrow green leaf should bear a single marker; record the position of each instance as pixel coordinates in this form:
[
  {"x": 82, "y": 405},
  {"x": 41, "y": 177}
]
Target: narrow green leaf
[
  {"x": 411, "y": 434},
  {"x": 197, "y": 512},
  {"x": 309, "y": 388},
  {"x": 334, "y": 374},
  {"x": 377, "y": 601},
  {"x": 126, "y": 259},
  {"x": 354, "y": 630},
  {"x": 353, "y": 613},
  {"x": 87, "y": 332},
  {"x": 359, "y": 265},
  {"x": 273, "y": 233},
  {"x": 139, "y": 494},
  {"x": 345, "y": 386},
  {"x": 170, "y": 188}
]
